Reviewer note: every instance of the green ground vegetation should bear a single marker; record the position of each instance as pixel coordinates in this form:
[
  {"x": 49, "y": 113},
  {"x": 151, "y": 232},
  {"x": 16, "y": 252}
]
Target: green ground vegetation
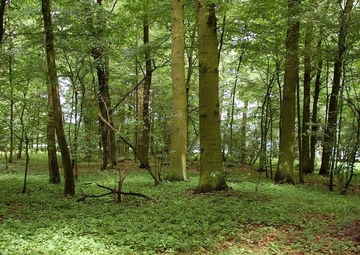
[{"x": 246, "y": 219}]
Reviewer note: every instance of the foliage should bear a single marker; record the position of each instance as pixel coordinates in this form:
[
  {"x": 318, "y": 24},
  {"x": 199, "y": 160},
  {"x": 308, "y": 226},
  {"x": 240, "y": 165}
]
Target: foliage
[{"x": 274, "y": 220}]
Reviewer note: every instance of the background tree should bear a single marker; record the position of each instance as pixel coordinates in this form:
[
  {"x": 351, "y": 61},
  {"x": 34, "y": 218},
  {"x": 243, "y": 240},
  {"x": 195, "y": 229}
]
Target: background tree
[{"x": 332, "y": 117}]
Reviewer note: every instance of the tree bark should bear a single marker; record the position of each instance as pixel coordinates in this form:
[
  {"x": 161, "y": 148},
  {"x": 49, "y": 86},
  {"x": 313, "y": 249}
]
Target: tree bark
[
  {"x": 69, "y": 188},
  {"x": 177, "y": 170},
  {"x": 2, "y": 13},
  {"x": 285, "y": 167},
  {"x": 332, "y": 118},
  {"x": 145, "y": 138},
  {"x": 211, "y": 168},
  {"x": 305, "y": 166},
  {"x": 314, "y": 120}
]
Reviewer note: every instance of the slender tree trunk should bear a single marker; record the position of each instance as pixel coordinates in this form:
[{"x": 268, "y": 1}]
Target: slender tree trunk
[
  {"x": 314, "y": 118},
  {"x": 332, "y": 118},
  {"x": 12, "y": 103},
  {"x": 211, "y": 168},
  {"x": 179, "y": 120},
  {"x": 285, "y": 167},
  {"x": 145, "y": 138},
  {"x": 2, "y": 13},
  {"x": 69, "y": 188},
  {"x": 305, "y": 127},
  {"x": 243, "y": 150}
]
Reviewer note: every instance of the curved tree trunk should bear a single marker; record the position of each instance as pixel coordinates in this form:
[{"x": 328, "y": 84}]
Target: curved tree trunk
[{"x": 69, "y": 188}]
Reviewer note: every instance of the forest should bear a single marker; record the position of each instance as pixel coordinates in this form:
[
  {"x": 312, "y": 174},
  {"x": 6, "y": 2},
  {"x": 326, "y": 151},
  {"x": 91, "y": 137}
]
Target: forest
[{"x": 179, "y": 127}]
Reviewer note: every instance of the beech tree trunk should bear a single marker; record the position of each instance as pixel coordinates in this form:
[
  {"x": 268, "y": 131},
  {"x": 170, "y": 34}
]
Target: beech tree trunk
[
  {"x": 211, "y": 166},
  {"x": 145, "y": 138},
  {"x": 285, "y": 167},
  {"x": 305, "y": 163},
  {"x": 314, "y": 120},
  {"x": 69, "y": 188},
  {"x": 177, "y": 170},
  {"x": 332, "y": 118}
]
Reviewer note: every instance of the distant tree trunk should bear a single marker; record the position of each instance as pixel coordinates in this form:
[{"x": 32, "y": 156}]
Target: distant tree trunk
[
  {"x": 139, "y": 112},
  {"x": 102, "y": 70},
  {"x": 211, "y": 168},
  {"x": 177, "y": 170},
  {"x": 104, "y": 104},
  {"x": 233, "y": 106},
  {"x": 243, "y": 153},
  {"x": 314, "y": 118},
  {"x": 69, "y": 188},
  {"x": 145, "y": 138},
  {"x": 285, "y": 167},
  {"x": 12, "y": 103},
  {"x": 332, "y": 118},
  {"x": 305, "y": 127},
  {"x": 23, "y": 131}
]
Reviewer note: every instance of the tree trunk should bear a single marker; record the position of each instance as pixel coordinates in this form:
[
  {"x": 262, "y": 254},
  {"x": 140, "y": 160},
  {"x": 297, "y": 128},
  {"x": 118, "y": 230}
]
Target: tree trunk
[
  {"x": 2, "y": 13},
  {"x": 314, "y": 120},
  {"x": 305, "y": 128},
  {"x": 211, "y": 168},
  {"x": 332, "y": 118},
  {"x": 54, "y": 173},
  {"x": 243, "y": 151},
  {"x": 177, "y": 170},
  {"x": 285, "y": 167},
  {"x": 145, "y": 138},
  {"x": 69, "y": 188}
]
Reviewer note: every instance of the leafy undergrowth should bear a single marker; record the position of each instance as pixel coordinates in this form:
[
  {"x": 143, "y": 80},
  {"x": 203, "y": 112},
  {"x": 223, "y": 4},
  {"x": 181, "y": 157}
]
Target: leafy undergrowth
[{"x": 276, "y": 219}]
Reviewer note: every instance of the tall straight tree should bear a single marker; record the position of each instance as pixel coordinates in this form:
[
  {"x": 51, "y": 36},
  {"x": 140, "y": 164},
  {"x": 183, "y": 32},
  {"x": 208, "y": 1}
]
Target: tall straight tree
[
  {"x": 102, "y": 69},
  {"x": 145, "y": 138},
  {"x": 69, "y": 179},
  {"x": 332, "y": 118},
  {"x": 305, "y": 163},
  {"x": 211, "y": 166},
  {"x": 177, "y": 170},
  {"x": 285, "y": 166}
]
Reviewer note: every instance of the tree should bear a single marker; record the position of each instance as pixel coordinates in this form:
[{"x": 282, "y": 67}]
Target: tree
[
  {"x": 284, "y": 171},
  {"x": 305, "y": 163},
  {"x": 69, "y": 187},
  {"x": 54, "y": 174},
  {"x": 332, "y": 117},
  {"x": 211, "y": 168},
  {"x": 145, "y": 137},
  {"x": 2, "y": 13},
  {"x": 102, "y": 69},
  {"x": 177, "y": 170}
]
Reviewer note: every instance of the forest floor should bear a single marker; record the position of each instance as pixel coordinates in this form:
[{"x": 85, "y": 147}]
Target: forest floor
[{"x": 254, "y": 216}]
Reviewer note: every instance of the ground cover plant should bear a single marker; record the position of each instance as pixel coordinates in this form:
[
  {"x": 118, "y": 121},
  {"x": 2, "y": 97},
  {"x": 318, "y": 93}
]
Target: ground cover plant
[{"x": 269, "y": 219}]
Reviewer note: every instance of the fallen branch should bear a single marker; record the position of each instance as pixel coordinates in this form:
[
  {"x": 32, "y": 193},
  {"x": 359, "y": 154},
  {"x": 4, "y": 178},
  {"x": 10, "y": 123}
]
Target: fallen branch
[{"x": 114, "y": 191}]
